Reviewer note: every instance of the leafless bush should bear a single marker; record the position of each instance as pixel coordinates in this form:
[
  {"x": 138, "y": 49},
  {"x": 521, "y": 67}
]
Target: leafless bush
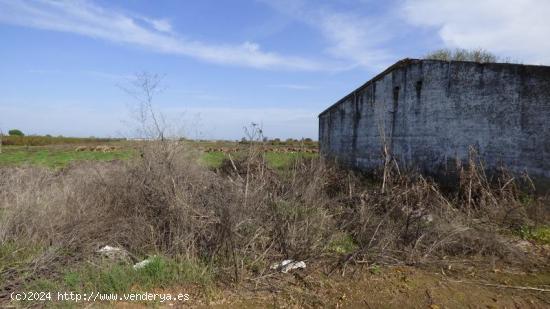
[
  {"x": 143, "y": 88},
  {"x": 247, "y": 214},
  {"x": 495, "y": 197}
]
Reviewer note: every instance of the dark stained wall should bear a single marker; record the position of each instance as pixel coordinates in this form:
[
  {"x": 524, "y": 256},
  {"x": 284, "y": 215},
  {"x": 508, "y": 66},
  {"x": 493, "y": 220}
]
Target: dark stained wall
[{"x": 430, "y": 112}]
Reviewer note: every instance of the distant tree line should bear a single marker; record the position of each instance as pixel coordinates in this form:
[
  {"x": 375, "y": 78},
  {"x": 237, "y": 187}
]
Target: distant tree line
[{"x": 43, "y": 140}]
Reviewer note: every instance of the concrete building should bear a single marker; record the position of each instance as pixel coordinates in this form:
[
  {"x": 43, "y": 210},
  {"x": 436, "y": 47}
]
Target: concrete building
[{"x": 429, "y": 112}]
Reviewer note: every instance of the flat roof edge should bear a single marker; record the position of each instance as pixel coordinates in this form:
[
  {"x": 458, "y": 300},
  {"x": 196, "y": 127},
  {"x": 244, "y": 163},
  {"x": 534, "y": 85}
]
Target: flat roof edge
[
  {"x": 407, "y": 61},
  {"x": 399, "y": 64}
]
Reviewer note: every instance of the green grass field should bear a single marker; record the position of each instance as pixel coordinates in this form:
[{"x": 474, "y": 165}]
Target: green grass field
[
  {"x": 55, "y": 157},
  {"x": 276, "y": 160},
  {"x": 60, "y": 156}
]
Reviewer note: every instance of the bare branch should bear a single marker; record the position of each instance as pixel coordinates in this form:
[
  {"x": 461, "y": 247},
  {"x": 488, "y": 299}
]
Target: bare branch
[{"x": 143, "y": 88}]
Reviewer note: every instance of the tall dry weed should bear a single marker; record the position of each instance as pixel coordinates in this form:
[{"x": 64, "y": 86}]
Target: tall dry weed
[{"x": 246, "y": 214}]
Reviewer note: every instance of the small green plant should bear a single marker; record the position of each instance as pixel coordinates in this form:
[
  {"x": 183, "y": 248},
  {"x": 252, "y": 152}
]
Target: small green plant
[
  {"x": 343, "y": 244},
  {"x": 14, "y": 255},
  {"x": 526, "y": 199},
  {"x": 72, "y": 280},
  {"x": 539, "y": 234},
  {"x": 375, "y": 269}
]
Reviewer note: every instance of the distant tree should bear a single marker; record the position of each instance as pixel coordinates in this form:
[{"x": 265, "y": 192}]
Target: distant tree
[
  {"x": 460, "y": 54},
  {"x": 15, "y": 132}
]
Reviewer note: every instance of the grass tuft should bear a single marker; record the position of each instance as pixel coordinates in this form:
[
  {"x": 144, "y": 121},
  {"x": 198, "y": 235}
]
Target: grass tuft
[
  {"x": 161, "y": 272},
  {"x": 540, "y": 234},
  {"x": 343, "y": 244}
]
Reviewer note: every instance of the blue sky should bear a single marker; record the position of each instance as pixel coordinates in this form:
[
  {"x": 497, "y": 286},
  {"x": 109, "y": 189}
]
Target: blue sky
[{"x": 228, "y": 63}]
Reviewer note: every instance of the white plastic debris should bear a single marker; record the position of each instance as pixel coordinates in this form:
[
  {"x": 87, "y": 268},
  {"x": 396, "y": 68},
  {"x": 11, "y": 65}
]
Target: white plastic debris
[
  {"x": 114, "y": 253},
  {"x": 277, "y": 265},
  {"x": 143, "y": 263},
  {"x": 427, "y": 218},
  {"x": 288, "y": 265},
  {"x": 108, "y": 249}
]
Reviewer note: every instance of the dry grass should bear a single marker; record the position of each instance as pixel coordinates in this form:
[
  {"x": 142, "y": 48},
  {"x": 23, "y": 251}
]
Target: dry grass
[{"x": 246, "y": 215}]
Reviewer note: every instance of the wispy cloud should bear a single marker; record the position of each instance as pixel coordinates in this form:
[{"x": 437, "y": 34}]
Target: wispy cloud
[
  {"x": 355, "y": 38},
  {"x": 514, "y": 28},
  {"x": 162, "y": 25},
  {"x": 88, "y": 19},
  {"x": 518, "y": 29}
]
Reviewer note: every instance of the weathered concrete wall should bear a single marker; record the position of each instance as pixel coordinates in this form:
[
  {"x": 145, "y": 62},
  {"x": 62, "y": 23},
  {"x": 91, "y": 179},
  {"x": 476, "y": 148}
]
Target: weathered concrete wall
[{"x": 430, "y": 112}]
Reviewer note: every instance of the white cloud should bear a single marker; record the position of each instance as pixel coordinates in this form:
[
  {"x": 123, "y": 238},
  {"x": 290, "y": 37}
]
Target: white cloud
[
  {"x": 515, "y": 28},
  {"x": 355, "y": 38},
  {"x": 161, "y": 25},
  {"x": 88, "y": 19}
]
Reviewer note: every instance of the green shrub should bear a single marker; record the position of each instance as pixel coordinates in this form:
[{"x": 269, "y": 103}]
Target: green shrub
[
  {"x": 459, "y": 54},
  {"x": 15, "y": 132},
  {"x": 539, "y": 234}
]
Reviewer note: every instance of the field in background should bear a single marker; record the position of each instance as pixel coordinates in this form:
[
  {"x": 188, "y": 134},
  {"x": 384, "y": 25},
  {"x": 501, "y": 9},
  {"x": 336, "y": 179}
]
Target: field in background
[
  {"x": 57, "y": 152},
  {"x": 39, "y": 140},
  {"x": 55, "y": 156}
]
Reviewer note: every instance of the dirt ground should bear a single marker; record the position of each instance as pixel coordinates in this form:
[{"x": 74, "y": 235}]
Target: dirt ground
[
  {"x": 403, "y": 287},
  {"x": 447, "y": 284}
]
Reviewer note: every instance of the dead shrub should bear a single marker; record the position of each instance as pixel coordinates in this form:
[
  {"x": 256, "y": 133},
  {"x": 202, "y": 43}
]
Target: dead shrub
[{"x": 246, "y": 215}]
